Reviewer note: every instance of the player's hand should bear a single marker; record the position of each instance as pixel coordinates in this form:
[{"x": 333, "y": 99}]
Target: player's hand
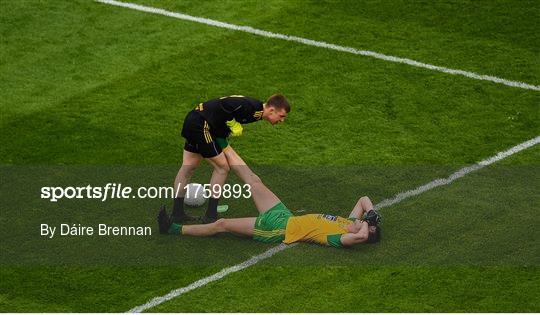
[
  {"x": 235, "y": 127},
  {"x": 372, "y": 217}
]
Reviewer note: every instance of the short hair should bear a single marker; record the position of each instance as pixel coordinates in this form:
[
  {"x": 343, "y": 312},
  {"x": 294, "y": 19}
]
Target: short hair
[
  {"x": 279, "y": 101},
  {"x": 374, "y": 237}
]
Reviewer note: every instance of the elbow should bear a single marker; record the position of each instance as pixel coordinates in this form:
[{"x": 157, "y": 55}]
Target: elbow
[
  {"x": 363, "y": 238},
  {"x": 358, "y": 239}
]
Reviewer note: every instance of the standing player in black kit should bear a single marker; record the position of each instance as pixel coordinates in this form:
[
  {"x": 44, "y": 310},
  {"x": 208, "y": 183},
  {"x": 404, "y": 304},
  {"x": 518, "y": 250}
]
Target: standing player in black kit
[{"x": 206, "y": 129}]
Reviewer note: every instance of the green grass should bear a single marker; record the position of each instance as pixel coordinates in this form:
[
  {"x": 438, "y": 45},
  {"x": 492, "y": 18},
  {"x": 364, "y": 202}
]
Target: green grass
[
  {"x": 95, "y": 94},
  {"x": 367, "y": 289},
  {"x": 450, "y": 249},
  {"x": 488, "y": 37},
  {"x": 370, "y": 109}
]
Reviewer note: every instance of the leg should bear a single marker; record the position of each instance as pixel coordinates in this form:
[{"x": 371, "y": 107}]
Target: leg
[
  {"x": 190, "y": 161},
  {"x": 263, "y": 197},
  {"x": 219, "y": 175},
  {"x": 199, "y": 144},
  {"x": 242, "y": 226}
]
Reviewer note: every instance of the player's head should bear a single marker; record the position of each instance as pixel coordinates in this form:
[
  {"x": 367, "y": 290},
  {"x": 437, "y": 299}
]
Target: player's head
[
  {"x": 374, "y": 234},
  {"x": 276, "y": 109}
]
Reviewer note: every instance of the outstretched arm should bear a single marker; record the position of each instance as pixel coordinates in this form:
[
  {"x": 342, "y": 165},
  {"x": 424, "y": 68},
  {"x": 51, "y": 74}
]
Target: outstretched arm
[
  {"x": 361, "y": 236},
  {"x": 363, "y": 205}
]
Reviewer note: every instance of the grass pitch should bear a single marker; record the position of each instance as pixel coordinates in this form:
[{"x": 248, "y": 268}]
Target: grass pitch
[{"x": 93, "y": 93}]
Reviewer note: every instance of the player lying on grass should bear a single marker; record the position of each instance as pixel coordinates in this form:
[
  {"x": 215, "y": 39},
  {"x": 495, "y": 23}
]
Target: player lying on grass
[
  {"x": 276, "y": 223},
  {"x": 206, "y": 129}
]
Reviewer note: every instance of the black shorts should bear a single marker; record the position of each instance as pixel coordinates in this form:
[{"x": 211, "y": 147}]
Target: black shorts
[{"x": 199, "y": 138}]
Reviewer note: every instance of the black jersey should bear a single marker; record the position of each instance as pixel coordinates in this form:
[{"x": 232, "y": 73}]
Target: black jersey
[{"x": 218, "y": 111}]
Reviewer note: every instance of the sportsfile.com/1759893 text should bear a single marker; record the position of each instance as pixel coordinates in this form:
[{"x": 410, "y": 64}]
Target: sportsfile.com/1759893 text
[{"x": 119, "y": 191}]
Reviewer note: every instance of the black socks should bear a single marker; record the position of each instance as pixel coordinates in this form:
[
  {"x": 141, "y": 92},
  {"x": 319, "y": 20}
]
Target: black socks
[
  {"x": 211, "y": 211},
  {"x": 179, "y": 216},
  {"x": 178, "y": 209}
]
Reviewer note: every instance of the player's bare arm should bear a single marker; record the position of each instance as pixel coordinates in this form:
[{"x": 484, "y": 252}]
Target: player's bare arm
[
  {"x": 363, "y": 205},
  {"x": 361, "y": 236}
]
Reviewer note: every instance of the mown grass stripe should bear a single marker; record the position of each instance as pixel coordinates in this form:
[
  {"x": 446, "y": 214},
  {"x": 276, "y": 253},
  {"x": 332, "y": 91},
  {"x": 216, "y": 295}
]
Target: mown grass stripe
[
  {"x": 197, "y": 284},
  {"x": 320, "y": 44},
  {"x": 460, "y": 173}
]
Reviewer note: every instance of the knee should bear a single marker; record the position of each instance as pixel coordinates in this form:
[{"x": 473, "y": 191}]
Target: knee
[
  {"x": 187, "y": 169},
  {"x": 222, "y": 168}
]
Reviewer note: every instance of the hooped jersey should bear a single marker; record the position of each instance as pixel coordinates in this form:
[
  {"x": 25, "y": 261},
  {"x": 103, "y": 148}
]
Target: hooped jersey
[
  {"x": 218, "y": 111},
  {"x": 324, "y": 229}
]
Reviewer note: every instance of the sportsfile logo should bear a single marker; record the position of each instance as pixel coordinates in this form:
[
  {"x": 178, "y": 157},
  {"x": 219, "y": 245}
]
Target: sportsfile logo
[{"x": 119, "y": 191}]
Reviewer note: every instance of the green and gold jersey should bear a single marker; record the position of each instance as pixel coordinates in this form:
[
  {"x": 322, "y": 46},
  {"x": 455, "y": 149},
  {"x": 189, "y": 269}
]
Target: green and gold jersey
[{"x": 316, "y": 228}]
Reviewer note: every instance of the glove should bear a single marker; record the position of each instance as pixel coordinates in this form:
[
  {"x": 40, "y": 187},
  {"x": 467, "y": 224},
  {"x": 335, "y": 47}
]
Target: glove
[
  {"x": 235, "y": 127},
  {"x": 372, "y": 217}
]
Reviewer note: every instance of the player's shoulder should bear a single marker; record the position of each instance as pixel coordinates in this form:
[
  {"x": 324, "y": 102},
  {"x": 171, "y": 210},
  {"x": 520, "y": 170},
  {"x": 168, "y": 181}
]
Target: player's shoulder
[
  {"x": 241, "y": 98},
  {"x": 212, "y": 101}
]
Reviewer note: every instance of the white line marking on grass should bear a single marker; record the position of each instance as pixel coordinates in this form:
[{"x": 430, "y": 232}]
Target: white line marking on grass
[
  {"x": 315, "y": 43},
  {"x": 385, "y": 203},
  {"x": 199, "y": 283},
  {"x": 460, "y": 173}
]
